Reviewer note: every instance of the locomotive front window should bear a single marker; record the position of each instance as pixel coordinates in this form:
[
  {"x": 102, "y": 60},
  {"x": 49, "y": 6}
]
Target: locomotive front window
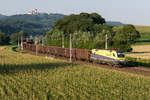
[
  {"x": 120, "y": 54},
  {"x": 114, "y": 55}
]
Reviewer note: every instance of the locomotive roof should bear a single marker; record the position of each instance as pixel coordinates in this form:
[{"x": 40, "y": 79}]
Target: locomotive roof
[{"x": 111, "y": 50}]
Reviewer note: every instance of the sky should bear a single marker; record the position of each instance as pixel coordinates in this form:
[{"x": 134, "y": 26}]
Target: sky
[{"x": 126, "y": 11}]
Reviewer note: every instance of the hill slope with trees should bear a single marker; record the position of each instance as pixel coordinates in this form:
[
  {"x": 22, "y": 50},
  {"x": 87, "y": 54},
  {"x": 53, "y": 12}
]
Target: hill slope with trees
[
  {"x": 31, "y": 24},
  {"x": 2, "y": 16},
  {"x": 115, "y": 23}
]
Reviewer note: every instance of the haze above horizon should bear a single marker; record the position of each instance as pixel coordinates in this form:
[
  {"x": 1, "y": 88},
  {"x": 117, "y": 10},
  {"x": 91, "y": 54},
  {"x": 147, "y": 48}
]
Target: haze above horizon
[{"x": 126, "y": 11}]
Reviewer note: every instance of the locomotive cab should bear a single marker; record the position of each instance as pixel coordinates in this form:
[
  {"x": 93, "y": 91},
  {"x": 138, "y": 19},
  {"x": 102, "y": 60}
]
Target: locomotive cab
[
  {"x": 121, "y": 56},
  {"x": 108, "y": 55}
]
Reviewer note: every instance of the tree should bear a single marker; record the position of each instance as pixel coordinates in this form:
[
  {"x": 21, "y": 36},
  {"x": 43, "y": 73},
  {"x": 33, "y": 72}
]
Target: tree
[
  {"x": 124, "y": 37},
  {"x": 83, "y": 22},
  {"x": 131, "y": 33},
  {"x": 82, "y": 40},
  {"x": 97, "y": 19},
  {"x": 4, "y": 39},
  {"x": 54, "y": 37},
  {"x": 14, "y": 38}
]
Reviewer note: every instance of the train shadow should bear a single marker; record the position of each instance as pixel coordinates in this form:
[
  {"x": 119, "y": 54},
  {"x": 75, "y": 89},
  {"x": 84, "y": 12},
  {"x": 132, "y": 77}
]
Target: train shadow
[{"x": 13, "y": 68}]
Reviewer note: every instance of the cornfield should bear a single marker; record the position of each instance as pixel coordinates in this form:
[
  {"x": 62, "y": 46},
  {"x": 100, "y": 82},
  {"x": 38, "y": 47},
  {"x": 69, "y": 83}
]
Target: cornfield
[{"x": 28, "y": 77}]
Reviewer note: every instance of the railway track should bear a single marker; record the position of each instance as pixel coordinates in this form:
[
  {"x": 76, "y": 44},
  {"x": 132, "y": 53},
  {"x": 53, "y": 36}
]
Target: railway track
[{"x": 137, "y": 70}]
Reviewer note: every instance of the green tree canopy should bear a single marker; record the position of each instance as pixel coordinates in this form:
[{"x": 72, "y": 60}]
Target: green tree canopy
[
  {"x": 14, "y": 38},
  {"x": 82, "y": 22},
  {"x": 125, "y": 36},
  {"x": 4, "y": 39}
]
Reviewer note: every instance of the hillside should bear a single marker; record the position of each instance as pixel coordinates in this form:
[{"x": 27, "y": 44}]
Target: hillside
[
  {"x": 2, "y": 16},
  {"x": 31, "y": 24},
  {"x": 114, "y": 23}
]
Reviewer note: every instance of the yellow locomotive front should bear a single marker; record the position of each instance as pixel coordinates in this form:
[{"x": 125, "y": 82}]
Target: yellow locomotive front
[{"x": 108, "y": 56}]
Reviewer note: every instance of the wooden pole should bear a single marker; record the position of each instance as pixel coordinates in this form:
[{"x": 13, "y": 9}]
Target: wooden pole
[
  {"x": 36, "y": 43},
  {"x": 36, "y": 49},
  {"x": 18, "y": 41},
  {"x": 42, "y": 40},
  {"x": 21, "y": 42},
  {"x": 63, "y": 41},
  {"x": 106, "y": 38},
  {"x": 70, "y": 48}
]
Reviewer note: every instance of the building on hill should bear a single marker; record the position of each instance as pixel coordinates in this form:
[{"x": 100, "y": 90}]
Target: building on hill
[{"x": 33, "y": 12}]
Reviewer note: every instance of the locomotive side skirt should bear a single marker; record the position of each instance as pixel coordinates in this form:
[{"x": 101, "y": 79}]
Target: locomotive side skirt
[{"x": 101, "y": 57}]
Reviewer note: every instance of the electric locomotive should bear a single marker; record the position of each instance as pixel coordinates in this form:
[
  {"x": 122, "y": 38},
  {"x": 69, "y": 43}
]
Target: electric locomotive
[{"x": 113, "y": 57}]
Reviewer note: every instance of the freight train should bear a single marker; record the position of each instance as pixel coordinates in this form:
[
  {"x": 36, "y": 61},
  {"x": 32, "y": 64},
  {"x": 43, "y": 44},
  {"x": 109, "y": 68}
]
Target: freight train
[{"x": 112, "y": 57}]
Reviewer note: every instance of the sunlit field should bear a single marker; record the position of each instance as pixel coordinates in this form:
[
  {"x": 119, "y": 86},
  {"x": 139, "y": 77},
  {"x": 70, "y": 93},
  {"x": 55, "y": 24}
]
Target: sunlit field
[
  {"x": 27, "y": 77},
  {"x": 140, "y": 51},
  {"x": 143, "y": 29}
]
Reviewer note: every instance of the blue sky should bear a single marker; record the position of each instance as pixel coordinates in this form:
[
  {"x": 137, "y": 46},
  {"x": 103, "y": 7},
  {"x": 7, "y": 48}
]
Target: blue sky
[{"x": 126, "y": 11}]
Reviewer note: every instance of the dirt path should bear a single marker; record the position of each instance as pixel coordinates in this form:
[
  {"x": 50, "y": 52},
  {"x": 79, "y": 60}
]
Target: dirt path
[
  {"x": 134, "y": 70},
  {"x": 137, "y": 70}
]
